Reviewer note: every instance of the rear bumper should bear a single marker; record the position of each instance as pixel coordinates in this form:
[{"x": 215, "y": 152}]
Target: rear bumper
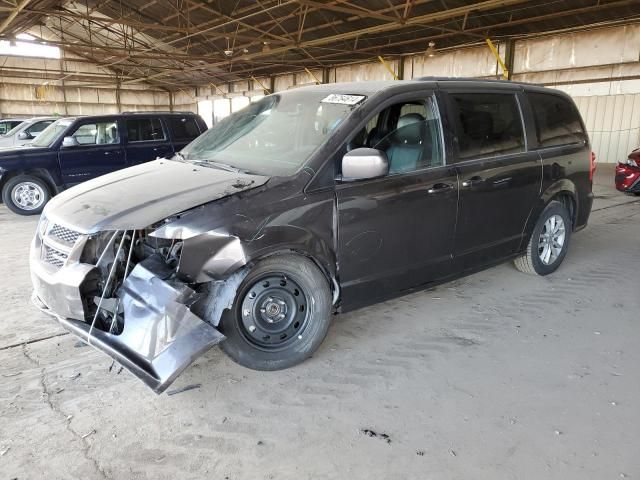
[{"x": 160, "y": 337}]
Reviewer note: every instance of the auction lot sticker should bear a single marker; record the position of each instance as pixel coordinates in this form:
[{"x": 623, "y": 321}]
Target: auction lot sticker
[{"x": 343, "y": 99}]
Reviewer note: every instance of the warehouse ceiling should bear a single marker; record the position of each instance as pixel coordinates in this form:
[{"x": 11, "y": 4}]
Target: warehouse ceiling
[{"x": 178, "y": 43}]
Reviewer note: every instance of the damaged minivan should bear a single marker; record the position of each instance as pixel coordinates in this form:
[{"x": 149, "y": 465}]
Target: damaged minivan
[{"x": 306, "y": 203}]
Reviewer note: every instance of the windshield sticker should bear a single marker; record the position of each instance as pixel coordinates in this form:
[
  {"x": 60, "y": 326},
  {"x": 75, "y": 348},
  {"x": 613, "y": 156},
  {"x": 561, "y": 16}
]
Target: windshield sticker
[{"x": 343, "y": 99}]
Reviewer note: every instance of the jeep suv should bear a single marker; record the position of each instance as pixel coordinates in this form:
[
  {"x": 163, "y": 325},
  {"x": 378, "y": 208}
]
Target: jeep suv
[
  {"x": 72, "y": 150},
  {"x": 308, "y": 202}
]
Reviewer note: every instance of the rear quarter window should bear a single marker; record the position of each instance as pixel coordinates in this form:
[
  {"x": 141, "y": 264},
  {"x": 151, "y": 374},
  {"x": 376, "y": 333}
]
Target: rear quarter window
[
  {"x": 184, "y": 128},
  {"x": 557, "y": 120}
]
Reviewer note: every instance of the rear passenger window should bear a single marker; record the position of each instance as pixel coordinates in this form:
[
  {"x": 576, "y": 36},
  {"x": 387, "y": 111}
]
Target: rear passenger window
[
  {"x": 184, "y": 128},
  {"x": 557, "y": 120},
  {"x": 144, "y": 129},
  {"x": 488, "y": 124}
]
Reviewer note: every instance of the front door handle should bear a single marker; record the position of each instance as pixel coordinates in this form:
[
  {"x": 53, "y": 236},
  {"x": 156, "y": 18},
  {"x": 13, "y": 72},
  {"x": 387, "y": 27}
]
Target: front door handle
[
  {"x": 440, "y": 188},
  {"x": 473, "y": 182}
]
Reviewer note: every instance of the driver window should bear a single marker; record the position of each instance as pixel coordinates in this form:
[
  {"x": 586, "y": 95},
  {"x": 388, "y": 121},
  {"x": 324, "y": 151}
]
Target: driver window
[
  {"x": 103, "y": 133},
  {"x": 409, "y": 134}
]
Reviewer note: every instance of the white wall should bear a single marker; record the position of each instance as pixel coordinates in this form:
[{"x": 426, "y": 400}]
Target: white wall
[{"x": 93, "y": 91}]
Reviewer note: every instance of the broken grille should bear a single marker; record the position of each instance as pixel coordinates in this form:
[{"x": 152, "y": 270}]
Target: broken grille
[
  {"x": 64, "y": 234},
  {"x": 54, "y": 257}
]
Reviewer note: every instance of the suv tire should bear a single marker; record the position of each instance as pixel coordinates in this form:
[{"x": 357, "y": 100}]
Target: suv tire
[
  {"x": 549, "y": 241},
  {"x": 26, "y": 194},
  {"x": 280, "y": 315}
]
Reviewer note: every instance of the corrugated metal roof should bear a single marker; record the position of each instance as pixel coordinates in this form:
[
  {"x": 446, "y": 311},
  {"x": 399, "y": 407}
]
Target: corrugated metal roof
[{"x": 187, "y": 42}]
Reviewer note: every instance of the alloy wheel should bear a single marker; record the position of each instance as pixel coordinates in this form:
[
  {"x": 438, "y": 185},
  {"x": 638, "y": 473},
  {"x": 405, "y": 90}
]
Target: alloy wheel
[
  {"x": 551, "y": 239},
  {"x": 28, "y": 195}
]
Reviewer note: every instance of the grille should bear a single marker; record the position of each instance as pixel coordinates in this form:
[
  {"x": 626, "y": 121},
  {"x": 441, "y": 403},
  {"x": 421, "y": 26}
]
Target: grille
[
  {"x": 53, "y": 257},
  {"x": 64, "y": 234}
]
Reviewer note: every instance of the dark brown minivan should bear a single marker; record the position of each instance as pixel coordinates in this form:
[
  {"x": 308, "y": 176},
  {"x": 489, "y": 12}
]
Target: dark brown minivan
[{"x": 311, "y": 201}]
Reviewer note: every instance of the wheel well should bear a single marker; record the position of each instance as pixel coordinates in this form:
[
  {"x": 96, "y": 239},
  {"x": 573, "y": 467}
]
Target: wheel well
[
  {"x": 570, "y": 204},
  {"x": 39, "y": 173},
  {"x": 331, "y": 279}
]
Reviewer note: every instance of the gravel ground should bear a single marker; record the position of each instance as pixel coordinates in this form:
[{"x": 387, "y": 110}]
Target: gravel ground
[{"x": 499, "y": 375}]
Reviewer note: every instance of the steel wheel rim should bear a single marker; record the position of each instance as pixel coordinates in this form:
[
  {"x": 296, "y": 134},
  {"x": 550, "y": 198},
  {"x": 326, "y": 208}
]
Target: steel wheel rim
[
  {"x": 551, "y": 241},
  {"x": 28, "y": 195},
  {"x": 274, "y": 312}
]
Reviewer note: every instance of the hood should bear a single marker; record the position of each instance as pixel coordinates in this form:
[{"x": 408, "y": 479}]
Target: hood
[{"x": 139, "y": 196}]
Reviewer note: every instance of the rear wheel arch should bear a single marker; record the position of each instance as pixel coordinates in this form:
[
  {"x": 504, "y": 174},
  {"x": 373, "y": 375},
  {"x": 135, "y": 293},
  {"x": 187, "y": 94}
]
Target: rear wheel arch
[{"x": 564, "y": 191}]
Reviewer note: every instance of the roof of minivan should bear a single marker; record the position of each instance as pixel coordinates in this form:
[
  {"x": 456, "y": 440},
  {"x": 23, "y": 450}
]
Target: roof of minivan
[{"x": 369, "y": 88}]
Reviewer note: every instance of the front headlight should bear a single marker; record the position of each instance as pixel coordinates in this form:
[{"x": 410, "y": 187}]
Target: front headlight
[{"x": 43, "y": 224}]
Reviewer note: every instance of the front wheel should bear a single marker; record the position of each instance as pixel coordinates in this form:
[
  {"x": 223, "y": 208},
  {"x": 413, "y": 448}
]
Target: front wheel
[
  {"x": 25, "y": 195},
  {"x": 549, "y": 241},
  {"x": 280, "y": 315}
]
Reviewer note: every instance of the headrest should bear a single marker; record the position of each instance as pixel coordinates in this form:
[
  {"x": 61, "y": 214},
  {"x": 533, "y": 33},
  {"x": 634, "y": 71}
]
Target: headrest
[
  {"x": 410, "y": 129},
  {"x": 408, "y": 119}
]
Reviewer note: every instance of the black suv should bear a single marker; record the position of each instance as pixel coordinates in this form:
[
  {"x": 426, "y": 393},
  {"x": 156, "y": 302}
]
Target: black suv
[
  {"x": 72, "y": 150},
  {"x": 306, "y": 202}
]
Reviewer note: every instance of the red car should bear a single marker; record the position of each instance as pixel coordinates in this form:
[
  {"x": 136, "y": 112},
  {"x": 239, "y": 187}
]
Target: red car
[{"x": 628, "y": 173}]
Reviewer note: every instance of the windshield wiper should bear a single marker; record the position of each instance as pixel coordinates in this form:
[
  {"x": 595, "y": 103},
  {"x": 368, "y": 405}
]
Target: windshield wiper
[{"x": 220, "y": 166}]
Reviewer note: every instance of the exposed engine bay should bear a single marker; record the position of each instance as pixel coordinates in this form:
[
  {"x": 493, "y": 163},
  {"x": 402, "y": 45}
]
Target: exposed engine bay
[{"x": 136, "y": 309}]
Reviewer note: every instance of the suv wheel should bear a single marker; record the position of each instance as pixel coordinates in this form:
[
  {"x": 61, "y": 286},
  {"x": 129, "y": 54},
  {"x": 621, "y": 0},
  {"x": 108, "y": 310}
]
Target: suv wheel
[
  {"x": 549, "y": 241},
  {"x": 25, "y": 194},
  {"x": 280, "y": 315}
]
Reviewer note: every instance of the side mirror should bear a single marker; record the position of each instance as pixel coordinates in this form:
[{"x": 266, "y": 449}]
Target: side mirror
[
  {"x": 362, "y": 163},
  {"x": 25, "y": 136},
  {"x": 69, "y": 142}
]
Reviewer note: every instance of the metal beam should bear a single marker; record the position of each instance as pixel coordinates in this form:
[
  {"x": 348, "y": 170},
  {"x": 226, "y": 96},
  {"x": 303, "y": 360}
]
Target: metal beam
[{"x": 14, "y": 13}]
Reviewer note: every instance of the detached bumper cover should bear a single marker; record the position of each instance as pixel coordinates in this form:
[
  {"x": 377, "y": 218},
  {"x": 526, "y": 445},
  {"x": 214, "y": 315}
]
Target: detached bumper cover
[{"x": 161, "y": 336}]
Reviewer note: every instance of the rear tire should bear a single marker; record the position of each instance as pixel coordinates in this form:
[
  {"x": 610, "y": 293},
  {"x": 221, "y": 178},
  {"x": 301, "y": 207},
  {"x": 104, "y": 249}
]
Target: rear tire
[
  {"x": 26, "y": 195},
  {"x": 280, "y": 316},
  {"x": 549, "y": 241}
]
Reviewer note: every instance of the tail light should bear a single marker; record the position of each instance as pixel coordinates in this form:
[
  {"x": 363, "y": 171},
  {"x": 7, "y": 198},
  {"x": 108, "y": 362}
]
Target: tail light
[{"x": 592, "y": 166}]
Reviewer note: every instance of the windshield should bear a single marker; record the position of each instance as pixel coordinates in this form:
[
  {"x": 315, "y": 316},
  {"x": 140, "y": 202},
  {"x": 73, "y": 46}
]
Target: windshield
[
  {"x": 15, "y": 129},
  {"x": 51, "y": 133},
  {"x": 275, "y": 135},
  {"x": 7, "y": 125}
]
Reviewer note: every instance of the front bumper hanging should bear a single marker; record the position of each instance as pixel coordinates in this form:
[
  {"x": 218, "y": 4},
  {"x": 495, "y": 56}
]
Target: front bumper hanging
[{"x": 161, "y": 336}]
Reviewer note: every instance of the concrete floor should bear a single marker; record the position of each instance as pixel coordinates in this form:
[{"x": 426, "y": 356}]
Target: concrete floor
[{"x": 499, "y": 375}]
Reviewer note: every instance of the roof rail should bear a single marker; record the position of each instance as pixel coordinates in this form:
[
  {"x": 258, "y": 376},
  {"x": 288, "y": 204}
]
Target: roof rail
[
  {"x": 164, "y": 112},
  {"x": 470, "y": 79}
]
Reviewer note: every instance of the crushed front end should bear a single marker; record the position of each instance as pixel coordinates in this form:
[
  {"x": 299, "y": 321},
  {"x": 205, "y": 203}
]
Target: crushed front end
[{"x": 119, "y": 292}]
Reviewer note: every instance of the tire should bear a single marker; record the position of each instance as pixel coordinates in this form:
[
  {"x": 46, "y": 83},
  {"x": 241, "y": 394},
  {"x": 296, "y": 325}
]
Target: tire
[
  {"x": 542, "y": 255},
  {"x": 26, "y": 195},
  {"x": 298, "y": 291}
]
